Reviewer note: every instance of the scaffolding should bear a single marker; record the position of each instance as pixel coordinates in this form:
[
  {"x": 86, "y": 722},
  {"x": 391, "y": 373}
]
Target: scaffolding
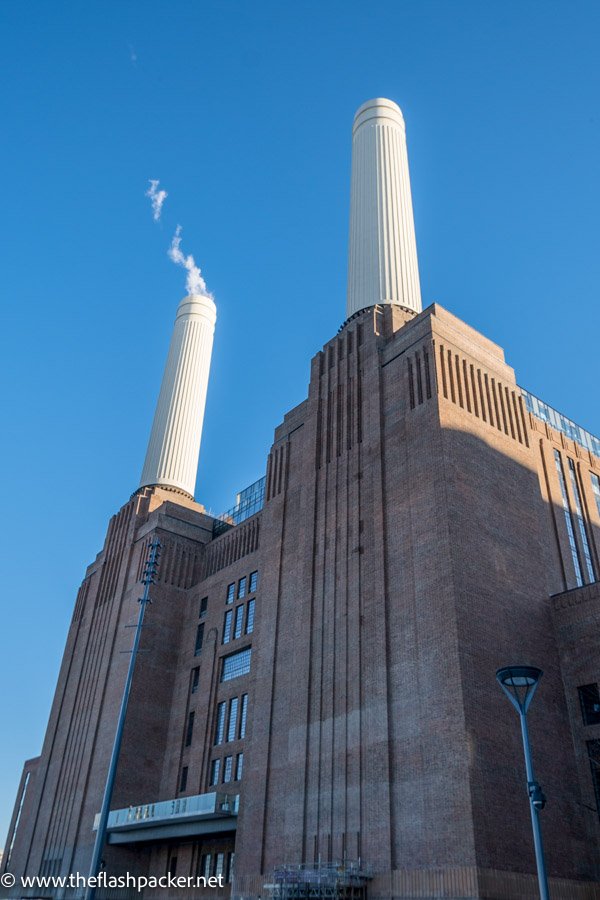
[{"x": 320, "y": 881}]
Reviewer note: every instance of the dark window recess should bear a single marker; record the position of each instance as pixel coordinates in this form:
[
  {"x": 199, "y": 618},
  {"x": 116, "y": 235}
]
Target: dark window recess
[
  {"x": 593, "y": 749},
  {"x": 172, "y": 868},
  {"x": 195, "y": 679},
  {"x": 203, "y": 607},
  {"x": 589, "y": 698},
  {"x": 242, "y": 588},
  {"x": 183, "y": 779},
  {"x": 199, "y": 639},
  {"x": 230, "y": 593},
  {"x": 190, "y": 729}
]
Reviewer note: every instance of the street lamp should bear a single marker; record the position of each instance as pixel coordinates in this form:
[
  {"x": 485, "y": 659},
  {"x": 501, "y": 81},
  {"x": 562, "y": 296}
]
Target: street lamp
[{"x": 519, "y": 683}]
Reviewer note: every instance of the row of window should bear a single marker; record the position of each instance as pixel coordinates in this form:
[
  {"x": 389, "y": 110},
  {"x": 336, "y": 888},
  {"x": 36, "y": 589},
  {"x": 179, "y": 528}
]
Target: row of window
[
  {"x": 234, "y": 628},
  {"x": 223, "y": 771},
  {"x": 249, "y": 583},
  {"x": 214, "y": 864},
  {"x": 574, "y": 521},
  {"x": 231, "y": 727}
]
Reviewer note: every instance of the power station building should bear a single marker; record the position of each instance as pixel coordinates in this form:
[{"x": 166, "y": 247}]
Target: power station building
[{"x": 316, "y": 712}]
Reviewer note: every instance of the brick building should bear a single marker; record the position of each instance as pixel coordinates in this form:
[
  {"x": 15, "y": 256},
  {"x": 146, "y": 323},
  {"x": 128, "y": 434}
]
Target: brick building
[{"x": 319, "y": 683}]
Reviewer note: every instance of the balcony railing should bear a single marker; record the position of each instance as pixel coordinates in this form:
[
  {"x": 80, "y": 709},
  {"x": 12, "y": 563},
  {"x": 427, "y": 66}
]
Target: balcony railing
[
  {"x": 556, "y": 419},
  {"x": 200, "y": 806}
]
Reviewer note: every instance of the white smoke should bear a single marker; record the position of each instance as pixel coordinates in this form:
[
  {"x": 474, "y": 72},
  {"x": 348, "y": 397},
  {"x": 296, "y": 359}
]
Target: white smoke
[
  {"x": 157, "y": 198},
  {"x": 195, "y": 282}
]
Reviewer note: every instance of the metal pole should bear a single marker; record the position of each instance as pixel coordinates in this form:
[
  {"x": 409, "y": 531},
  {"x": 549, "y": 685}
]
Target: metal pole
[
  {"x": 149, "y": 573},
  {"x": 532, "y": 787}
]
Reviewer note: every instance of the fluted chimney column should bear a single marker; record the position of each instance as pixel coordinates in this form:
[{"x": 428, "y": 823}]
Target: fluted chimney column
[
  {"x": 382, "y": 264},
  {"x": 174, "y": 445}
]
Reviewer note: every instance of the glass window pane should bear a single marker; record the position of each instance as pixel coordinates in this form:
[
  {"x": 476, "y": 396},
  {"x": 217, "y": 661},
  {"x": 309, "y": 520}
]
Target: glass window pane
[{"x": 236, "y": 664}]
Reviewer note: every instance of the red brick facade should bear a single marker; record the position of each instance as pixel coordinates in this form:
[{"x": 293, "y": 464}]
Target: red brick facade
[{"x": 412, "y": 536}]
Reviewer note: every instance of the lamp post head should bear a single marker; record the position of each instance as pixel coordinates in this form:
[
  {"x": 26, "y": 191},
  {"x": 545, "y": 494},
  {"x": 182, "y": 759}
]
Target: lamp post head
[{"x": 519, "y": 683}]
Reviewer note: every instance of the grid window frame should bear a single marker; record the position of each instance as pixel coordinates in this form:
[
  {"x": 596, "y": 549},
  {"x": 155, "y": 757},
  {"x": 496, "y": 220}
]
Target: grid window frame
[
  {"x": 241, "y": 591},
  {"x": 234, "y": 665},
  {"x": 220, "y": 723},
  {"x": 230, "y": 593},
  {"x": 215, "y": 771},
  {"x": 253, "y": 582},
  {"x": 227, "y": 623},
  {"x": 234, "y": 704},
  {"x": 227, "y": 770},
  {"x": 243, "y": 716},
  {"x": 250, "y": 613},
  {"x": 239, "y": 766},
  {"x": 239, "y": 622}
]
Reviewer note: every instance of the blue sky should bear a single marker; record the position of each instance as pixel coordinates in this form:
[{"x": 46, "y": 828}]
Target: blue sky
[{"x": 243, "y": 110}]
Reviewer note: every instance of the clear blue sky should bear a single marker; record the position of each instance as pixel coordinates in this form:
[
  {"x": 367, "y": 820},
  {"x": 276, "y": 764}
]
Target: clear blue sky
[{"x": 243, "y": 110}]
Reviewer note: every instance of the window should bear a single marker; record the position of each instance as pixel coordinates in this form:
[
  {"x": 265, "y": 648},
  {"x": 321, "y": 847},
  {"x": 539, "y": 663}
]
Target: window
[
  {"x": 183, "y": 779},
  {"x": 253, "y": 582},
  {"x": 205, "y": 865},
  {"x": 172, "y": 866},
  {"x": 568, "y": 518},
  {"x": 190, "y": 729},
  {"x": 203, "y": 607},
  {"x": 230, "y": 593},
  {"x": 580, "y": 523},
  {"x": 596, "y": 489},
  {"x": 589, "y": 698},
  {"x": 236, "y": 664},
  {"x": 239, "y": 765},
  {"x": 233, "y": 711},
  {"x": 239, "y": 618},
  {"x": 220, "y": 723},
  {"x": 230, "y": 866},
  {"x": 215, "y": 768},
  {"x": 199, "y": 639},
  {"x": 227, "y": 769},
  {"x": 250, "y": 617},
  {"x": 243, "y": 715},
  {"x": 593, "y": 749},
  {"x": 227, "y": 626},
  {"x": 219, "y": 864},
  {"x": 242, "y": 588},
  {"x": 195, "y": 679}
]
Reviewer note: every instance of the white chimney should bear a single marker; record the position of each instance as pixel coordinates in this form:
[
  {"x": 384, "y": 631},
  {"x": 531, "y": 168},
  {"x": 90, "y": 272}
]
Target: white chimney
[
  {"x": 174, "y": 445},
  {"x": 382, "y": 264}
]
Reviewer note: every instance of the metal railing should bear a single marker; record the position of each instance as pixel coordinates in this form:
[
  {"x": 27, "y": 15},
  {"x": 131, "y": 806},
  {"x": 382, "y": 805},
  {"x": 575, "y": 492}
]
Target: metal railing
[
  {"x": 213, "y": 805},
  {"x": 248, "y": 502}
]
